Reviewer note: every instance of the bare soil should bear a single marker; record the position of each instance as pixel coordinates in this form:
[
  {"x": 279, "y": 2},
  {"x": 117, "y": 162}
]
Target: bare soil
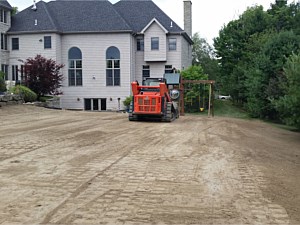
[{"x": 71, "y": 167}]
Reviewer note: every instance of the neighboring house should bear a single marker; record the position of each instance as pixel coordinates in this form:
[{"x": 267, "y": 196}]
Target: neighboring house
[{"x": 103, "y": 46}]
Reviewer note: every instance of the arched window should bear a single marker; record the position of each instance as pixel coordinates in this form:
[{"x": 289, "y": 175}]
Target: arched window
[
  {"x": 75, "y": 67},
  {"x": 113, "y": 73}
]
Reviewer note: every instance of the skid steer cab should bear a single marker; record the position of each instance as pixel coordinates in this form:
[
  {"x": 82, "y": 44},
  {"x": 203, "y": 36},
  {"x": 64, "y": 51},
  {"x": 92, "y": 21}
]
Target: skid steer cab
[{"x": 153, "y": 100}]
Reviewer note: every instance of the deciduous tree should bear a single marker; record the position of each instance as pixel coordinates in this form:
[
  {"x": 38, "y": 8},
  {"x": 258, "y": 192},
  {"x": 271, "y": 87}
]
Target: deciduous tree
[
  {"x": 204, "y": 55},
  {"x": 43, "y": 75}
]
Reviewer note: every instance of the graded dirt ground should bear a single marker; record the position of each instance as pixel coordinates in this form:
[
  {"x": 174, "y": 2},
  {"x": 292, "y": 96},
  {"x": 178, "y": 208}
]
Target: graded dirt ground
[{"x": 75, "y": 167}]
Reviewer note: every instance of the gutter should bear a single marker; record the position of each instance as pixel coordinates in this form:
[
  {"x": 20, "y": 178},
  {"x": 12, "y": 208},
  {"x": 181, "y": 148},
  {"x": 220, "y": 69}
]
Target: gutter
[
  {"x": 182, "y": 33},
  {"x": 68, "y": 32},
  {"x": 6, "y": 7},
  {"x": 185, "y": 35}
]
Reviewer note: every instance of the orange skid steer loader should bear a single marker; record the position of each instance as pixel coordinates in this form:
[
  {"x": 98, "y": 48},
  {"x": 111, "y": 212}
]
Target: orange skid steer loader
[{"x": 152, "y": 100}]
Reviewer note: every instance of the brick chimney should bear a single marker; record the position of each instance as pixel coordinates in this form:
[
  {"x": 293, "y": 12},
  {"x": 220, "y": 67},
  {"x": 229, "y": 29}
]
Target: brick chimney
[{"x": 187, "y": 5}]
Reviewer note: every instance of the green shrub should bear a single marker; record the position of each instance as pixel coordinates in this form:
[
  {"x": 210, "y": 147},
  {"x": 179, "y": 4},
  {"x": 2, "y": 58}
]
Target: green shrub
[
  {"x": 27, "y": 94},
  {"x": 2, "y": 82},
  {"x": 127, "y": 101}
]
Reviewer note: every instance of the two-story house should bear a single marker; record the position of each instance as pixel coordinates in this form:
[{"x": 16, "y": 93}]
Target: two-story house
[{"x": 103, "y": 46}]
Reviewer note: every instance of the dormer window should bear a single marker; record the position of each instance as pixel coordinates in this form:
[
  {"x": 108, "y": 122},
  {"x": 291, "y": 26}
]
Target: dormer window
[{"x": 3, "y": 16}]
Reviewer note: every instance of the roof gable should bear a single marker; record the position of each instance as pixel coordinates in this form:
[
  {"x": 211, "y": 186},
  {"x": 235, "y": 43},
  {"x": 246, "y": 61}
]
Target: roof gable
[
  {"x": 139, "y": 13},
  {"x": 5, "y": 4},
  {"x": 154, "y": 21}
]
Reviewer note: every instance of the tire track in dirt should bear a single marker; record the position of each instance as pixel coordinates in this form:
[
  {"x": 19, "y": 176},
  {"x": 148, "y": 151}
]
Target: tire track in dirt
[
  {"x": 91, "y": 196},
  {"x": 65, "y": 210},
  {"x": 241, "y": 176},
  {"x": 41, "y": 140},
  {"x": 105, "y": 169},
  {"x": 77, "y": 192},
  {"x": 260, "y": 210},
  {"x": 252, "y": 203}
]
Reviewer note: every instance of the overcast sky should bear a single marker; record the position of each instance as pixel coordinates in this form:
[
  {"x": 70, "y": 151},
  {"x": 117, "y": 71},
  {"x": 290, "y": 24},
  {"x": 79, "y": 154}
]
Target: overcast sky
[{"x": 208, "y": 15}]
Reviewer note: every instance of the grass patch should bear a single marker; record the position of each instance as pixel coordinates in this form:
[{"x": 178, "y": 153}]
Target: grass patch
[
  {"x": 282, "y": 126},
  {"x": 227, "y": 109}
]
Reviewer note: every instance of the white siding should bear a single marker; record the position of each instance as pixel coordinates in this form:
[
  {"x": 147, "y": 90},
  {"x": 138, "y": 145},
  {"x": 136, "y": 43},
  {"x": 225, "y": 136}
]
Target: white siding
[
  {"x": 132, "y": 59},
  {"x": 4, "y": 57},
  {"x": 29, "y": 46},
  {"x": 155, "y": 55},
  {"x": 56, "y": 38},
  {"x": 174, "y": 56},
  {"x": 139, "y": 55},
  {"x": 157, "y": 69},
  {"x": 93, "y": 48},
  {"x": 186, "y": 55}
]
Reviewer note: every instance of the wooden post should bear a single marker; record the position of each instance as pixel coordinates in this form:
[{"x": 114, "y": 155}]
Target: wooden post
[
  {"x": 181, "y": 101},
  {"x": 209, "y": 100},
  {"x": 211, "y": 94},
  {"x": 213, "y": 100}
]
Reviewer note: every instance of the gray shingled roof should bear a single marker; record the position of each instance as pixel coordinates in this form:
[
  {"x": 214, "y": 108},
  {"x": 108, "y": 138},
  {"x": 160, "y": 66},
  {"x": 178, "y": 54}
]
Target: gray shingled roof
[
  {"x": 5, "y": 4},
  {"x": 139, "y": 13},
  {"x": 24, "y": 21},
  {"x": 70, "y": 16}
]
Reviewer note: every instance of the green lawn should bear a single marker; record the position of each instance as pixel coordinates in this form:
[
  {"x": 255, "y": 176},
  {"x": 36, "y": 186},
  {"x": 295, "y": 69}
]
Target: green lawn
[{"x": 227, "y": 109}]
